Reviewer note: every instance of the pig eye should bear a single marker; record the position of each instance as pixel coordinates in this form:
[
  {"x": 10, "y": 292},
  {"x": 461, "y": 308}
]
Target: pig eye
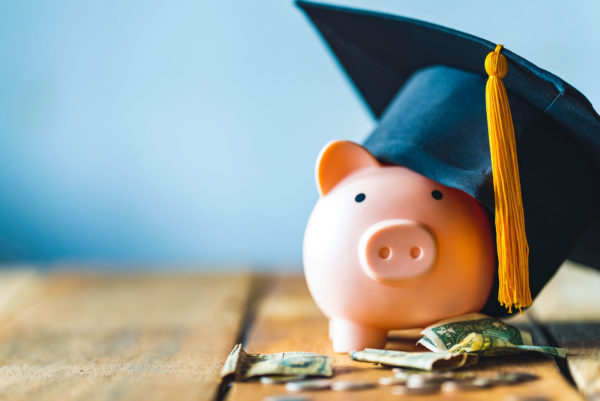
[
  {"x": 436, "y": 194},
  {"x": 360, "y": 197}
]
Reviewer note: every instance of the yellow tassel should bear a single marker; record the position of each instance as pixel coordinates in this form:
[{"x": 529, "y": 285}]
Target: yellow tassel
[{"x": 513, "y": 251}]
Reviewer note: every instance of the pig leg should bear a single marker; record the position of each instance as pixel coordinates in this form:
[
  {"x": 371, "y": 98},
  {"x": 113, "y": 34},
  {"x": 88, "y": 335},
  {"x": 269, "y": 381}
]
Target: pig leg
[{"x": 348, "y": 336}]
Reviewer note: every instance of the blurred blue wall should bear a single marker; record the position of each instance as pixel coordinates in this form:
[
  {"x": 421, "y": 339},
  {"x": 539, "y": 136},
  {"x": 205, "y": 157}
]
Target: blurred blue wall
[{"x": 186, "y": 131}]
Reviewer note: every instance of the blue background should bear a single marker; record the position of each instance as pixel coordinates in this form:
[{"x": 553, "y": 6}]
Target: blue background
[{"x": 151, "y": 133}]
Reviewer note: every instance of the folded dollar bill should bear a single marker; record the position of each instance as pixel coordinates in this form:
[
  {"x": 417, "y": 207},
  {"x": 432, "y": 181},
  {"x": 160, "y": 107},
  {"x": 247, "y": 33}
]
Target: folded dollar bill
[
  {"x": 486, "y": 336},
  {"x": 459, "y": 342},
  {"x": 241, "y": 365},
  {"x": 491, "y": 346},
  {"x": 416, "y": 360}
]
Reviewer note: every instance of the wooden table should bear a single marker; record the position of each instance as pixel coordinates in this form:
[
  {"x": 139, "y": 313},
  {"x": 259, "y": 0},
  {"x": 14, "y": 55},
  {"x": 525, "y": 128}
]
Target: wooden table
[{"x": 94, "y": 336}]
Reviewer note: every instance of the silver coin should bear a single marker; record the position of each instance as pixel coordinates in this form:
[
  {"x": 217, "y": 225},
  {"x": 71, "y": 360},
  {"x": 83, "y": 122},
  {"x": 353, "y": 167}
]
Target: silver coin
[
  {"x": 515, "y": 397},
  {"x": 349, "y": 385},
  {"x": 285, "y": 398},
  {"x": 425, "y": 380},
  {"x": 454, "y": 386},
  {"x": 483, "y": 382},
  {"x": 405, "y": 390},
  {"x": 392, "y": 380},
  {"x": 435, "y": 377},
  {"x": 515, "y": 377},
  {"x": 503, "y": 379},
  {"x": 403, "y": 372},
  {"x": 402, "y": 375},
  {"x": 309, "y": 385},
  {"x": 423, "y": 384},
  {"x": 281, "y": 379},
  {"x": 525, "y": 377},
  {"x": 459, "y": 375}
]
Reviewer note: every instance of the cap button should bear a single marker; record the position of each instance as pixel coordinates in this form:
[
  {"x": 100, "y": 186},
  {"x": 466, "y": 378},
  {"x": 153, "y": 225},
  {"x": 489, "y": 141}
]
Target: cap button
[{"x": 495, "y": 64}]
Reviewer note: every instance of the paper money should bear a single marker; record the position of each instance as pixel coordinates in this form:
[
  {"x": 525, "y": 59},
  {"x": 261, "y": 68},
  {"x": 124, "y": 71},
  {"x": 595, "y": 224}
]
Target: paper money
[
  {"x": 445, "y": 334},
  {"x": 490, "y": 346},
  {"x": 416, "y": 360},
  {"x": 281, "y": 379},
  {"x": 486, "y": 336},
  {"x": 242, "y": 366}
]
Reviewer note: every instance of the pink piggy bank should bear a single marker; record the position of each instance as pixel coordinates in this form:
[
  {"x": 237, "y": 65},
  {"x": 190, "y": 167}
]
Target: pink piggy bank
[{"x": 386, "y": 248}]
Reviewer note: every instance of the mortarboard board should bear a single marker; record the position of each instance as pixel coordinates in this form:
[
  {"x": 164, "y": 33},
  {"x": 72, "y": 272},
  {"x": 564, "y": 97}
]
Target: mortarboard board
[{"x": 426, "y": 86}]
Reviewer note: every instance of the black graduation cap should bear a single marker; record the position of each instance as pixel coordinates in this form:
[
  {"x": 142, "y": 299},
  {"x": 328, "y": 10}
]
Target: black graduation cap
[{"x": 426, "y": 86}]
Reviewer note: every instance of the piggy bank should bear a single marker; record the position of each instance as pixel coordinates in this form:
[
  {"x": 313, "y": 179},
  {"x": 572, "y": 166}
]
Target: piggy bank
[{"x": 386, "y": 248}]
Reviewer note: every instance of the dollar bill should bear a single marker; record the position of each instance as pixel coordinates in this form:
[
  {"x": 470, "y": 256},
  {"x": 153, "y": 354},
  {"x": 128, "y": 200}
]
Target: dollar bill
[
  {"x": 490, "y": 346},
  {"x": 416, "y": 360},
  {"x": 445, "y": 334},
  {"x": 484, "y": 335},
  {"x": 242, "y": 366}
]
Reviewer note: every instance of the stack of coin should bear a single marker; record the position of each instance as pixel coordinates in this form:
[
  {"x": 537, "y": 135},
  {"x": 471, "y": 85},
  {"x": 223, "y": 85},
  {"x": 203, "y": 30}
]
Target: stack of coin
[
  {"x": 404, "y": 382},
  {"x": 476, "y": 383}
]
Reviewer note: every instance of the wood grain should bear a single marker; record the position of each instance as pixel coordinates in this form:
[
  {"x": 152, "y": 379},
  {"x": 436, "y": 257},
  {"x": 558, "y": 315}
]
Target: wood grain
[
  {"x": 152, "y": 337},
  {"x": 19, "y": 286},
  {"x": 568, "y": 309},
  {"x": 287, "y": 319},
  {"x": 93, "y": 337}
]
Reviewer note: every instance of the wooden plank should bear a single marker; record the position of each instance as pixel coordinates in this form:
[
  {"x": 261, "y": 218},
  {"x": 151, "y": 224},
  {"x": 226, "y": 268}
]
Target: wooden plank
[
  {"x": 18, "y": 287},
  {"x": 568, "y": 309},
  {"x": 288, "y": 320},
  {"x": 11, "y": 281},
  {"x": 94, "y": 337}
]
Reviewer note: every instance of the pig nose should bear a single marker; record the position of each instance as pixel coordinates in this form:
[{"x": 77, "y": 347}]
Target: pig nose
[{"x": 394, "y": 250}]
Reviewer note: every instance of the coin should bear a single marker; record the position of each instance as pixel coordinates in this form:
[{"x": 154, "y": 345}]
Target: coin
[
  {"x": 392, "y": 380},
  {"x": 405, "y": 390},
  {"x": 423, "y": 380},
  {"x": 454, "y": 386},
  {"x": 402, "y": 375},
  {"x": 515, "y": 397},
  {"x": 483, "y": 382},
  {"x": 285, "y": 398},
  {"x": 309, "y": 385},
  {"x": 281, "y": 379},
  {"x": 349, "y": 385},
  {"x": 404, "y": 372},
  {"x": 525, "y": 377},
  {"x": 514, "y": 377},
  {"x": 456, "y": 376}
]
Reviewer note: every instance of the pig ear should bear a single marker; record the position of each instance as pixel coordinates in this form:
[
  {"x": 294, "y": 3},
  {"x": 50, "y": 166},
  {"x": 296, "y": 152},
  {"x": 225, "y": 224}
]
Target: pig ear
[{"x": 337, "y": 160}]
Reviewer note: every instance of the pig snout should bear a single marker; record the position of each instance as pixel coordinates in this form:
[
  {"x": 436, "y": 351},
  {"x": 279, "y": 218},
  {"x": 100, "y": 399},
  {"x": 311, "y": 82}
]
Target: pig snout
[{"x": 395, "y": 250}]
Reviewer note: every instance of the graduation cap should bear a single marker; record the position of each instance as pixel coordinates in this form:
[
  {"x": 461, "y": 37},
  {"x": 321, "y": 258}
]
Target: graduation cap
[{"x": 473, "y": 116}]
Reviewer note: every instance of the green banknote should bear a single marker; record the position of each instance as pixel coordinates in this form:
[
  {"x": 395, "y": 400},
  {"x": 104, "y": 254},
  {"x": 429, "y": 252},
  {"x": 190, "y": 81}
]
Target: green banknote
[
  {"x": 416, "y": 360},
  {"x": 444, "y": 335},
  {"x": 242, "y": 366},
  {"x": 490, "y": 346},
  {"x": 486, "y": 336}
]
